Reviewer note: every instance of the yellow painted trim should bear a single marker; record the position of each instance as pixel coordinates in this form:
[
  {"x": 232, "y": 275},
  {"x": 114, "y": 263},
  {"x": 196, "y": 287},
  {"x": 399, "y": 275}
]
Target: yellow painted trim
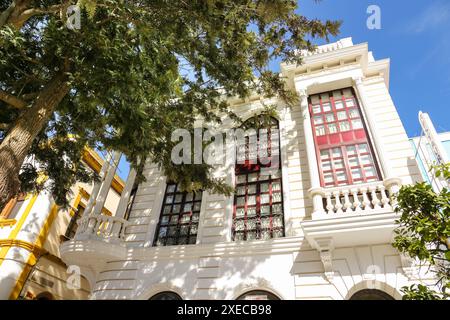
[
  {"x": 76, "y": 202},
  {"x": 84, "y": 193},
  {"x": 13, "y": 234},
  {"x": 20, "y": 244},
  {"x": 106, "y": 212},
  {"x": 7, "y": 222},
  {"x": 46, "y": 228},
  {"x": 34, "y": 256},
  {"x": 94, "y": 161}
]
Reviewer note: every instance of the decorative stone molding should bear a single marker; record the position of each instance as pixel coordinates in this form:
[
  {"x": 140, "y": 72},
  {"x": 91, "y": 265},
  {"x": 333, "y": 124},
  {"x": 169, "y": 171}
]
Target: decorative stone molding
[
  {"x": 343, "y": 43},
  {"x": 327, "y": 261},
  {"x": 373, "y": 127},
  {"x": 408, "y": 266},
  {"x": 325, "y": 247},
  {"x": 309, "y": 138}
]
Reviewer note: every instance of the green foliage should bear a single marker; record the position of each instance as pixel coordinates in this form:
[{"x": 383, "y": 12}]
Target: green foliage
[
  {"x": 419, "y": 292},
  {"x": 140, "y": 69},
  {"x": 424, "y": 231}
]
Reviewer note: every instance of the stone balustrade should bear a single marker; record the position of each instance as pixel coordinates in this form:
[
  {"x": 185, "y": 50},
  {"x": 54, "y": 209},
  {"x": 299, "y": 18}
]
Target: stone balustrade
[
  {"x": 102, "y": 226},
  {"x": 361, "y": 198}
]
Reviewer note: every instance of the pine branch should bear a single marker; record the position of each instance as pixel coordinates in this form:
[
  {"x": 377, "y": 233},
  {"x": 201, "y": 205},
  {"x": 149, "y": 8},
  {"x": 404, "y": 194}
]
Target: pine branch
[
  {"x": 20, "y": 11},
  {"x": 12, "y": 100},
  {"x": 27, "y": 14}
]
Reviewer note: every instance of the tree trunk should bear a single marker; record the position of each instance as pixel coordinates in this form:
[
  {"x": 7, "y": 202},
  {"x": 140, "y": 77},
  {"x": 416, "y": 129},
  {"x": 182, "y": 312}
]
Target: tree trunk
[{"x": 14, "y": 148}]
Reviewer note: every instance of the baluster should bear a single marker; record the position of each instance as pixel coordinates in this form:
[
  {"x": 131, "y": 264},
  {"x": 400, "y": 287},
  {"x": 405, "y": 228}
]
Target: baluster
[
  {"x": 356, "y": 202},
  {"x": 116, "y": 229},
  {"x": 375, "y": 201},
  {"x": 81, "y": 225},
  {"x": 384, "y": 197},
  {"x": 347, "y": 203},
  {"x": 393, "y": 188},
  {"x": 122, "y": 230},
  {"x": 98, "y": 225},
  {"x": 104, "y": 227},
  {"x": 109, "y": 227},
  {"x": 330, "y": 206},
  {"x": 91, "y": 222},
  {"x": 366, "y": 201},
  {"x": 84, "y": 224},
  {"x": 339, "y": 205},
  {"x": 317, "y": 197}
]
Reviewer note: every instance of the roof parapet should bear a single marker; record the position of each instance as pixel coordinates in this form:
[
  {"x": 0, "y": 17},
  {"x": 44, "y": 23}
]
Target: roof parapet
[{"x": 343, "y": 43}]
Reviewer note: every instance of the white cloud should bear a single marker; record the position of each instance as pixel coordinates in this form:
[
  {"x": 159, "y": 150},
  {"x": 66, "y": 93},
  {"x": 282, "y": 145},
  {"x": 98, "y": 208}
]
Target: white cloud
[{"x": 435, "y": 16}]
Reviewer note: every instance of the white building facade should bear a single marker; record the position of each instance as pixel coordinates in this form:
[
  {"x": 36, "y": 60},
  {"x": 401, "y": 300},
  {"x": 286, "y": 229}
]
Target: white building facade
[
  {"x": 33, "y": 226},
  {"x": 431, "y": 149},
  {"x": 319, "y": 227}
]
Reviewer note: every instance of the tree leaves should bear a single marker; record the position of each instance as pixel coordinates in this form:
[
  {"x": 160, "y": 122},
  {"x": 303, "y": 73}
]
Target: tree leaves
[
  {"x": 89, "y": 5},
  {"x": 125, "y": 68},
  {"x": 424, "y": 232}
]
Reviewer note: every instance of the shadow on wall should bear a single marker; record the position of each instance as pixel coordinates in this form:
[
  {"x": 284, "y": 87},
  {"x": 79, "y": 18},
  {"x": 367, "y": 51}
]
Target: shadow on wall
[
  {"x": 240, "y": 272},
  {"x": 197, "y": 278},
  {"x": 375, "y": 267},
  {"x": 45, "y": 276},
  {"x": 414, "y": 171}
]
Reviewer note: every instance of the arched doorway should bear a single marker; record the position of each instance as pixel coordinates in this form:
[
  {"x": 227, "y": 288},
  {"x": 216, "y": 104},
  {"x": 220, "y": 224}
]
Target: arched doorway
[
  {"x": 371, "y": 294},
  {"x": 258, "y": 295},
  {"x": 166, "y": 295},
  {"x": 45, "y": 296}
]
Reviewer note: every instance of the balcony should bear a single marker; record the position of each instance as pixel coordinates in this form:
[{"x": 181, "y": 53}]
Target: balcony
[
  {"x": 356, "y": 199},
  {"x": 101, "y": 227},
  {"x": 352, "y": 216},
  {"x": 99, "y": 238}
]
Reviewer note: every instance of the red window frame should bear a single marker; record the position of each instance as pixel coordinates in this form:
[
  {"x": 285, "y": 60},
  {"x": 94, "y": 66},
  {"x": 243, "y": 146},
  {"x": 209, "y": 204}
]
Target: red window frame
[
  {"x": 326, "y": 114},
  {"x": 263, "y": 219},
  {"x": 172, "y": 229}
]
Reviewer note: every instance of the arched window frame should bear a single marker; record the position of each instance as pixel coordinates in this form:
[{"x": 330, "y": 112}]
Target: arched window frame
[
  {"x": 258, "y": 295},
  {"x": 263, "y": 218},
  {"x": 166, "y": 295},
  {"x": 371, "y": 294}
]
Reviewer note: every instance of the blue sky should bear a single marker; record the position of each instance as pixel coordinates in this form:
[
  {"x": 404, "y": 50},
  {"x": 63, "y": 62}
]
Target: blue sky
[{"x": 415, "y": 35}]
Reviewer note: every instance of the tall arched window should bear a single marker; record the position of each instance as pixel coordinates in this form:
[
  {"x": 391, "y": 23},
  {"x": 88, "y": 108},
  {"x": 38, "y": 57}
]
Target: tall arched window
[
  {"x": 258, "y": 295},
  {"x": 371, "y": 294},
  {"x": 166, "y": 295},
  {"x": 45, "y": 296},
  {"x": 178, "y": 222},
  {"x": 258, "y": 201}
]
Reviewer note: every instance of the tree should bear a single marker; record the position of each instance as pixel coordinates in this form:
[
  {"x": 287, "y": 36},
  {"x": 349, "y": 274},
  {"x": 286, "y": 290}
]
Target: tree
[
  {"x": 424, "y": 233},
  {"x": 133, "y": 72}
]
